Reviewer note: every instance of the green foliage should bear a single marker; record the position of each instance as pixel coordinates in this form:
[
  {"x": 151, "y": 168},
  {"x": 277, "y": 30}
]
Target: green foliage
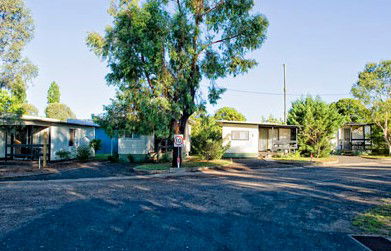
[
  {"x": 29, "y": 109},
  {"x": 59, "y": 111},
  {"x": 18, "y": 90},
  {"x": 379, "y": 145},
  {"x": 54, "y": 93},
  {"x": 354, "y": 110},
  {"x": 206, "y": 138},
  {"x": 229, "y": 113},
  {"x": 204, "y": 128},
  {"x": 374, "y": 89},
  {"x": 10, "y": 109},
  {"x": 213, "y": 149},
  {"x": 166, "y": 157},
  {"x": 63, "y": 154},
  {"x": 113, "y": 158},
  {"x": 319, "y": 122},
  {"x": 96, "y": 144},
  {"x": 130, "y": 158},
  {"x": 16, "y": 30},
  {"x": 159, "y": 51},
  {"x": 272, "y": 120},
  {"x": 83, "y": 152}
]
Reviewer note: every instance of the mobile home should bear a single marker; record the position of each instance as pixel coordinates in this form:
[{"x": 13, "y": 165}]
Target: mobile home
[
  {"x": 247, "y": 139},
  {"x": 26, "y": 139},
  {"x": 354, "y": 137}
]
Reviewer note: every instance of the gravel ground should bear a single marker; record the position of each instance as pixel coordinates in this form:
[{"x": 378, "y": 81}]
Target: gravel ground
[{"x": 254, "y": 209}]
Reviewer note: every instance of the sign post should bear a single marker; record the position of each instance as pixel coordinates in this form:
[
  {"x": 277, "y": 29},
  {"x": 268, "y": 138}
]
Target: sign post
[{"x": 178, "y": 143}]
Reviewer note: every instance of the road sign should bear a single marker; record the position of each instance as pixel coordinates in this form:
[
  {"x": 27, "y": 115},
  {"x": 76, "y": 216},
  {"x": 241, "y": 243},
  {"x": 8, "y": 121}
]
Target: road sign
[{"x": 178, "y": 140}]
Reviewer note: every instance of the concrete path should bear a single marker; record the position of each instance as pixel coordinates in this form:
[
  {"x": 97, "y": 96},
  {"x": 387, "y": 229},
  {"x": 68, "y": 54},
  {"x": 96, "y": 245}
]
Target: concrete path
[{"x": 257, "y": 209}]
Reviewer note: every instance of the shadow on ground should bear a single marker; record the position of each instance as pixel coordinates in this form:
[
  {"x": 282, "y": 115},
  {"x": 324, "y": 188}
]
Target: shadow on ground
[{"x": 252, "y": 209}]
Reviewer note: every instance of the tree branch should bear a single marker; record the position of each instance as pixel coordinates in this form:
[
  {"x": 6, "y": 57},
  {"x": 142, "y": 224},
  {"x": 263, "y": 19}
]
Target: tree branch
[
  {"x": 218, "y": 41},
  {"x": 147, "y": 74},
  {"x": 213, "y": 8}
]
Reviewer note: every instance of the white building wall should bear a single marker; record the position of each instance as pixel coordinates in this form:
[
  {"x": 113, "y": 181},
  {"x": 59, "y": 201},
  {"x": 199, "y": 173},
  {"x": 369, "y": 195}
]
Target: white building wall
[
  {"x": 60, "y": 136},
  {"x": 249, "y": 146},
  {"x": 142, "y": 145},
  {"x": 2, "y": 144}
]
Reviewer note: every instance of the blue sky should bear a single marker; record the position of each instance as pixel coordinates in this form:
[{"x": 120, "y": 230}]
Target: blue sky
[{"x": 324, "y": 44}]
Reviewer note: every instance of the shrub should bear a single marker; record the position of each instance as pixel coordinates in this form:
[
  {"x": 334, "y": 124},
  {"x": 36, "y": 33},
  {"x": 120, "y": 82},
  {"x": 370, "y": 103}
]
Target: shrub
[
  {"x": 203, "y": 130},
  {"x": 113, "y": 158},
  {"x": 83, "y": 152},
  {"x": 96, "y": 144},
  {"x": 130, "y": 158},
  {"x": 63, "y": 154},
  {"x": 166, "y": 157},
  {"x": 213, "y": 149}
]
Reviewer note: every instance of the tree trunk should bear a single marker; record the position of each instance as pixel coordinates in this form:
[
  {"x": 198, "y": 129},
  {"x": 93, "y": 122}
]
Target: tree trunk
[{"x": 179, "y": 128}]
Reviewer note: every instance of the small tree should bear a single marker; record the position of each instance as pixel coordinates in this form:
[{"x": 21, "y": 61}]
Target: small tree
[
  {"x": 374, "y": 89},
  {"x": 319, "y": 122},
  {"x": 59, "y": 111},
  {"x": 229, "y": 113},
  {"x": 206, "y": 137},
  {"x": 54, "y": 93}
]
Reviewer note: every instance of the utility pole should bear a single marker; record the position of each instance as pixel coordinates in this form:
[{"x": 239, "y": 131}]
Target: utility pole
[{"x": 285, "y": 115}]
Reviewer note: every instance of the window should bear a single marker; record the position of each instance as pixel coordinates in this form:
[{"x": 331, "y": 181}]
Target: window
[
  {"x": 293, "y": 134},
  {"x": 72, "y": 133},
  {"x": 240, "y": 135}
]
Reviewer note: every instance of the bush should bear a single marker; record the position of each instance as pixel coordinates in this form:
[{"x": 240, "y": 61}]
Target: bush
[
  {"x": 96, "y": 144},
  {"x": 204, "y": 129},
  {"x": 83, "y": 153},
  {"x": 165, "y": 157},
  {"x": 63, "y": 154},
  {"x": 130, "y": 158},
  {"x": 113, "y": 158},
  {"x": 213, "y": 149}
]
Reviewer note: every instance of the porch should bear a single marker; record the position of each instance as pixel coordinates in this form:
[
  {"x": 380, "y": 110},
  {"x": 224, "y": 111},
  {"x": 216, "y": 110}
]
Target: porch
[
  {"x": 26, "y": 142},
  {"x": 276, "y": 138},
  {"x": 355, "y": 137}
]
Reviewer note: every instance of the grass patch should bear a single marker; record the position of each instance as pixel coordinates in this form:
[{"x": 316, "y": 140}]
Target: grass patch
[
  {"x": 190, "y": 163},
  {"x": 376, "y": 220},
  {"x": 101, "y": 156}
]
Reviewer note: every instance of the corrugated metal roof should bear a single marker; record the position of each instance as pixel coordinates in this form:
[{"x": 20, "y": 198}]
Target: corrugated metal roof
[{"x": 79, "y": 122}]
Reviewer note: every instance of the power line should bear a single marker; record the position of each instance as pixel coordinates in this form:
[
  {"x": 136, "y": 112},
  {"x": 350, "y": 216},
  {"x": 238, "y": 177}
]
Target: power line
[{"x": 280, "y": 94}]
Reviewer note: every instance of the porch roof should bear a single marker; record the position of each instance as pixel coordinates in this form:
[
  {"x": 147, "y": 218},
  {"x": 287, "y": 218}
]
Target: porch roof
[
  {"x": 269, "y": 125},
  {"x": 358, "y": 124}
]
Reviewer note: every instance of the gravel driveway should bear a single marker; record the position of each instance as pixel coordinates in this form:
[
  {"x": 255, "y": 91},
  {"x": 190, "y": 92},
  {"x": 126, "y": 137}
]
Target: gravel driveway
[{"x": 256, "y": 209}]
